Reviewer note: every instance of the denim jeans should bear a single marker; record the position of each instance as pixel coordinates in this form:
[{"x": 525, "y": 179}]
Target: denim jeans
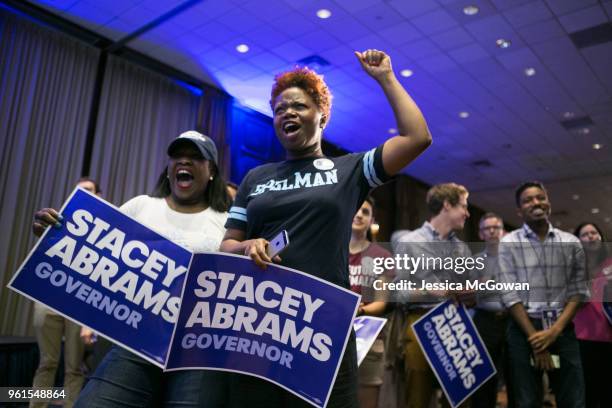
[
  {"x": 492, "y": 328},
  {"x": 567, "y": 381},
  {"x": 126, "y": 380}
]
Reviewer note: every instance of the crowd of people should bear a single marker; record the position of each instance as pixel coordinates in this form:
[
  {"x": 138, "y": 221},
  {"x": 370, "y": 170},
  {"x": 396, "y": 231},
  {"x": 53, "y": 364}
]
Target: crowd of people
[{"x": 329, "y": 225}]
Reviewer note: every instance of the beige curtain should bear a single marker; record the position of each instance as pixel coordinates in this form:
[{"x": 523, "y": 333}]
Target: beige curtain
[
  {"x": 214, "y": 120},
  {"x": 140, "y": 112},
  {"x": 46, "y": 88}
]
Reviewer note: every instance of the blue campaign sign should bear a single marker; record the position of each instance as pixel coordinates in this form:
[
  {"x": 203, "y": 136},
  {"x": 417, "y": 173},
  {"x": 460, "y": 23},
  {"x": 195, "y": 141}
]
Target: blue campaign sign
[
  {"x": 607, "y": 311},
  {"x": 367, "y": 329},
  {"x": 454, "y": 350},
  {"x": 280, "y": 324},
  {"x": 105, "y": 270}
]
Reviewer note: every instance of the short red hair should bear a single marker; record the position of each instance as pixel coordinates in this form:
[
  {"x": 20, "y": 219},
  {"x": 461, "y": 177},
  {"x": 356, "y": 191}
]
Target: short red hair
[{"x": 307, "y": 80}]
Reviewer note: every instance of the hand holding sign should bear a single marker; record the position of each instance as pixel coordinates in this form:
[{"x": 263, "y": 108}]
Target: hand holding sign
[
  {"x": 45, "y": 217},
  {"x": 124, "y": 281},
  {"x": 282, "y": 325}
]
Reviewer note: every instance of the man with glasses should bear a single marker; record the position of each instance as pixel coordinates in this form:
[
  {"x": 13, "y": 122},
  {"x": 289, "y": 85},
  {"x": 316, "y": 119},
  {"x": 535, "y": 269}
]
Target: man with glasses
[{"x": 490, "y": 316}]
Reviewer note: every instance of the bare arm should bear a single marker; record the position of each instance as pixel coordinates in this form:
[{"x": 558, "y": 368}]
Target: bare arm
[
  {"x": 376, "y": 308},
  {"x": 414, "y": 137},
  {"x": 234, "y": 242},
  {"x": 520, "y": 316},
  {"x": 569, "y": 311},
  {"x": 542, "y": 339}
]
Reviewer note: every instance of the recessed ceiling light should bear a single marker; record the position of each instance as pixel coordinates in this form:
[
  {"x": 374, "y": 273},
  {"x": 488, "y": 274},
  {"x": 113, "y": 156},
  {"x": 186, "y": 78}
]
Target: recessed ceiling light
[
  {"x": 607, "y": 219},
  {"x": 575, "y": 197},
  {"x": 406, "y": 73},
  {"x": 568, "y": 115},
  {"x": 594, "y": 210},
  {"x": 470, "y": 10},
  {"x": 464, "y": 115},
  {"x": 501, "y": 43},
  {"x": 392, "y": 131},
  {"x": 530, "y": 71},
  {"x": 324, "y": 13},
  {"x": 242, "y": 48},
  {"x": 597, "y": 146}
]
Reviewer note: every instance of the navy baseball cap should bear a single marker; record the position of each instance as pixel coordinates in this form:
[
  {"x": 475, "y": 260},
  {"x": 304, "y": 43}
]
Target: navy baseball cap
[{"x": 202, "y": 142}]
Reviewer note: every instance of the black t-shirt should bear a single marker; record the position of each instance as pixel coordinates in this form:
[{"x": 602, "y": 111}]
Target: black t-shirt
[{"x": 315, "y": 200}]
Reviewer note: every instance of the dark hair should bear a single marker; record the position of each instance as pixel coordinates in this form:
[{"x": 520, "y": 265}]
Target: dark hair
[
  {"x": 307, "y": 80},
  {"x": 97, "y": 188},
  {"x": 438, "y": 194},
  {"x": 488, "y": 215},
  {"x": 369, "y": 199},
  {"x": 528, "y": 184},
  {"x": 215, "y": 195},
  {"x": 584, "y": 224},
  {"x": 602, "y": 253}
]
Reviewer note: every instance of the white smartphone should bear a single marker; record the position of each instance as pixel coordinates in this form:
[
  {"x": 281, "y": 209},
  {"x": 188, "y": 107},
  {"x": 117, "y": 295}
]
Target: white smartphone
[
  {"x": 555, "y": 360},
  {"x": 278, "y": 243}
]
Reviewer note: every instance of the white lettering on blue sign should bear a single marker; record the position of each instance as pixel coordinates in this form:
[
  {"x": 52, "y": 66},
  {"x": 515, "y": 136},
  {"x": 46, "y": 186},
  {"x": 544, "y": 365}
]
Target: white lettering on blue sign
[
  {"x": 458, "y": 343},
  {"x": 137, "y": 287},
  {"x": 268, "y": 294}
]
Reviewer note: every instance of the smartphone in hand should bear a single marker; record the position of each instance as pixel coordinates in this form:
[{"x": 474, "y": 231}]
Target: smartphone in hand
[{"x": 278, "y": 243}]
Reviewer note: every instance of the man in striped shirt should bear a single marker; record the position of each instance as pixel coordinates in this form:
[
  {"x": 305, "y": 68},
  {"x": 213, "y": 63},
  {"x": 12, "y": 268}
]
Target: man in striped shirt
[{"x": 541, "y": 335}]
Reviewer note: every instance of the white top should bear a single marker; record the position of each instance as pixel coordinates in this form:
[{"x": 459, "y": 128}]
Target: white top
[{"x": 198, "y": 232}]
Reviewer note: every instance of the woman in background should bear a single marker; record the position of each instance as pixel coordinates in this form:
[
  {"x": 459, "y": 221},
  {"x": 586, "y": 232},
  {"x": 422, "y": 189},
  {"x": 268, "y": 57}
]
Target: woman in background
[{"x": 593, "y": 331}]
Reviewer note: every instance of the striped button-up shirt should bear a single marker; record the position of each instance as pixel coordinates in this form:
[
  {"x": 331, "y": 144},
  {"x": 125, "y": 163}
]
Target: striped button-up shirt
[
  {"x": 554, "y": 269},
  {"x": 426, "y": 243}
]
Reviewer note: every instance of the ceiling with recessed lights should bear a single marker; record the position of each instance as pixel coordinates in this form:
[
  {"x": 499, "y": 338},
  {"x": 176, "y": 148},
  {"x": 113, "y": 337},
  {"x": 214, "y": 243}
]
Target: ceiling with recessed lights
[{"x": 513, "y": 90}]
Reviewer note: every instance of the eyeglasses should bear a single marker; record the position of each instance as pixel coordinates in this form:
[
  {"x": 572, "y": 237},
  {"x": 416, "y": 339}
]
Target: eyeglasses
[{"x": 492, "y": 227}]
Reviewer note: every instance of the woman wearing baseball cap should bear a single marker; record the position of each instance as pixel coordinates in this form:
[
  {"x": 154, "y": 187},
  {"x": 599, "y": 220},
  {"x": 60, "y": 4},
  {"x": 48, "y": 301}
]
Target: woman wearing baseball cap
[{"x": 189, "y": 206}]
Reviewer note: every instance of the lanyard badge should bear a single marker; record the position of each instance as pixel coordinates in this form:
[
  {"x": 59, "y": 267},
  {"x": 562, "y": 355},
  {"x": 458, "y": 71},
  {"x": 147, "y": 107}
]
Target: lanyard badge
[{"x": 549, "y": 317}]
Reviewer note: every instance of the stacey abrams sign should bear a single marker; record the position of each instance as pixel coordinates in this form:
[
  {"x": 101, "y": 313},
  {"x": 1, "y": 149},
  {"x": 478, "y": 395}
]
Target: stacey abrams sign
[{"x": 216, "y": 311}]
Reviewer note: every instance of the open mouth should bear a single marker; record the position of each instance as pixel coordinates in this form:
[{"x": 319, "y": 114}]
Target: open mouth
[
  {"x": 184, "y": 178},
  {"x": 290, "y": 128},
  {"x": 538, "y": 211}
]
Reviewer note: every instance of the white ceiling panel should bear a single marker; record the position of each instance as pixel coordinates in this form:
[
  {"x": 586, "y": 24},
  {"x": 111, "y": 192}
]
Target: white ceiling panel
[
  {"x": 527, "y": 14},
  {"x": 585, "y": 18},
  {"x": 562, "y": 7}
]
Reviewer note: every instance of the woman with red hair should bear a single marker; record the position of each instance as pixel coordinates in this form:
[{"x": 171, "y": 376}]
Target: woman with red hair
[{"x": 314, "y": 198}]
